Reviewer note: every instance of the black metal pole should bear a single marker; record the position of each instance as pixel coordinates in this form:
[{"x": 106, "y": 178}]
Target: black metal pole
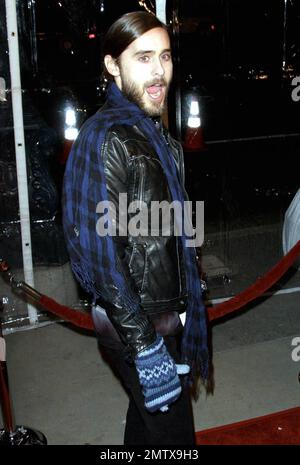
[
  {"x": 284, "y": 45},
  {"x": 6, "y": 406},
  {"x": 11, "y": 434},
  {"x": 173, "y": 17}
]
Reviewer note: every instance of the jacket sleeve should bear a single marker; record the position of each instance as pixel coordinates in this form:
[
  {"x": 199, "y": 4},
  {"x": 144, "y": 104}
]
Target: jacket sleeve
[{"x": 134, "y": 329}]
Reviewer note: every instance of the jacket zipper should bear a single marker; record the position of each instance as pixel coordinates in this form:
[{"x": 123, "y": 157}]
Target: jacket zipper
[
  {"x": 141, "y": 183},
  {"x": 178, "y": 265}
]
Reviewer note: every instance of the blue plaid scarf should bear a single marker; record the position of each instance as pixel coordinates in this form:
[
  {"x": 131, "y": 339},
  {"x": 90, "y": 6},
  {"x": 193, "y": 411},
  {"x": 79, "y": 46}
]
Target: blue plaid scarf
[{"x": 93, "y": 258}]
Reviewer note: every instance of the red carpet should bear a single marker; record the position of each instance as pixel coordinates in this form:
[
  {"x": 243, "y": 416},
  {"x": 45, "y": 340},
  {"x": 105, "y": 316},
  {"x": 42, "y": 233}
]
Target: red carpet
[{"x": 278, "y": 428}]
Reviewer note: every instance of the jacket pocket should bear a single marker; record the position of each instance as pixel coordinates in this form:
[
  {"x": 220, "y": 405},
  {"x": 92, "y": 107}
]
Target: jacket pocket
[{"x": 138, "y": 266}]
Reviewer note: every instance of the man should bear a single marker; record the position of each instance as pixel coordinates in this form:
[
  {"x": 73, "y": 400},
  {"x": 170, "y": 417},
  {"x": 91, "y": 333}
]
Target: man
[{"x": 142, "y": 277}]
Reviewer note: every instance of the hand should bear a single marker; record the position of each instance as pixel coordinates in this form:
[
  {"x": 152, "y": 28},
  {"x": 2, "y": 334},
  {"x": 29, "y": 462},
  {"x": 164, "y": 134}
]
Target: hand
[{"x": 158, "y": 375}]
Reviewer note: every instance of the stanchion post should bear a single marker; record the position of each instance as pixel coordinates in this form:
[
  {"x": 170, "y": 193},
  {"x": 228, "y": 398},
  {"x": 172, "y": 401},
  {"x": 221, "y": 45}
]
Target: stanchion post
[
  {"x": 7, "y": 414},
  {"x": 12, "y": 435}
]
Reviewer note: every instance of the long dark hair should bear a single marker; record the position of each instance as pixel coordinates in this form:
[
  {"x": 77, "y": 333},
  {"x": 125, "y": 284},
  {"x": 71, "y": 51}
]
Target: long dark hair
[{"x": 125, "y": 30}]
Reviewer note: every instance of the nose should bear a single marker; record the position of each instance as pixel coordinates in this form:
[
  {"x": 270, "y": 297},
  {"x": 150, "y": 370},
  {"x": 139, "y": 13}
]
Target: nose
[{"x": 158, "y": 68}]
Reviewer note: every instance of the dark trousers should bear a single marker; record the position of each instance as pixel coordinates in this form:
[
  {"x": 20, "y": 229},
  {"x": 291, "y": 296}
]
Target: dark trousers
[{"x": 142, "y": 427}]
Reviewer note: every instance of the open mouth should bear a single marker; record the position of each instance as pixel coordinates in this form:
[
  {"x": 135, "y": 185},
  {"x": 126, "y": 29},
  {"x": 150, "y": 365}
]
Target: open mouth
[{"x": 156, "y": 91}]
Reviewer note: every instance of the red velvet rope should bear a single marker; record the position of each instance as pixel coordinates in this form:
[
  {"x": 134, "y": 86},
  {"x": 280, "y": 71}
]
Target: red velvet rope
[
  {"x": 84, "y": 320},
  {"x": 258, "y": 288}
]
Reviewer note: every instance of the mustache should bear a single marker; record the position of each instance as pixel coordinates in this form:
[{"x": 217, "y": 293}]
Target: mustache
[{"x": 158, "y": 81}]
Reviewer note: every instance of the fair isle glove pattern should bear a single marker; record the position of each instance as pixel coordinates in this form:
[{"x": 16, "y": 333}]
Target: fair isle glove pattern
[{"x": 158, "y": 376}]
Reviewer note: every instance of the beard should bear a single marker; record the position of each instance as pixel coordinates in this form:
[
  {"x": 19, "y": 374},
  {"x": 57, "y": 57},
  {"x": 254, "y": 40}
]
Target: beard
[{"x": 136, "y": 94}]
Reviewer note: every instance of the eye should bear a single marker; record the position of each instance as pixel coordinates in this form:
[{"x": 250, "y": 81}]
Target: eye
[
  {"x": 166, "y": 57},
  {"x": 144, "y": 58}
]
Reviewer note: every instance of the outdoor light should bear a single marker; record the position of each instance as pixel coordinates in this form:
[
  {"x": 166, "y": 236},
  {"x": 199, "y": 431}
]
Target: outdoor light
[
  {"x": 71, "y": 132},
  {"x": 70, "y": 118},
  {"x": 193, "y": 134},
  {"x": 194, "y": 120}
]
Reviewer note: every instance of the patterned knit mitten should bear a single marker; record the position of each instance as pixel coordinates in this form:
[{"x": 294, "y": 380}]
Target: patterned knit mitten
[{"x": 158, "y": 375}]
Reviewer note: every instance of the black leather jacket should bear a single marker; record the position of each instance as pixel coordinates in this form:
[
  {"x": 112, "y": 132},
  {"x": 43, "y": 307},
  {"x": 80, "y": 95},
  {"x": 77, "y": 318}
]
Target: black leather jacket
[{"x": 152, "y": 264}]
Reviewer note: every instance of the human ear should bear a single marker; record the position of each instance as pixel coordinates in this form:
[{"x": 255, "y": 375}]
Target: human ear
[{"x": 111, "y": 65}]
